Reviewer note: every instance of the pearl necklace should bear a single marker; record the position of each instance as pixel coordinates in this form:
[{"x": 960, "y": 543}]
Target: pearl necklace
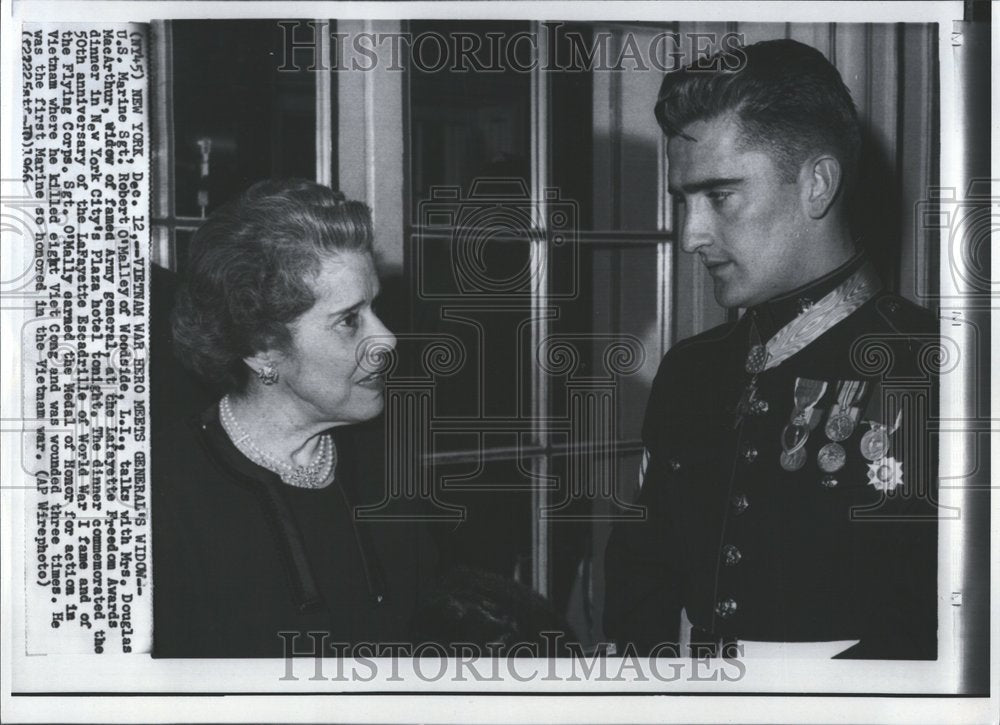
[{"x": 315, "y": 474}]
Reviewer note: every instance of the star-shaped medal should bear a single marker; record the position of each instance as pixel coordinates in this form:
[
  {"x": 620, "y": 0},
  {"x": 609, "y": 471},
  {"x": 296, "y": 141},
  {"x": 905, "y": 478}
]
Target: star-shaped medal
[{"x": 885, "y": 474}]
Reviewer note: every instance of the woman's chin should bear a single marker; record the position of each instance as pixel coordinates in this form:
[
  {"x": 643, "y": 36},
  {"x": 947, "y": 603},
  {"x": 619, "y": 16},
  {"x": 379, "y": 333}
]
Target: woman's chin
[{"x": 370, "y": 405}]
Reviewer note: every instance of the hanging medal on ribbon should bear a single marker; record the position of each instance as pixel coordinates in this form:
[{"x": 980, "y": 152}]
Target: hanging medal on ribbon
[
  {"x": 794, "y": 460},
  {"x": 840, "y": 425},
  {"x": 885, "y": 473},
  {"x": 820, "y": 317},
  {"x": 755, "y": 363},
  {"x": 756, "y": 358},
  {"x": 876, "y": 441},
  {"x": 844, "y": 415},
  {"x": 796, "y": 432},
  {"x": 809, "y": 325}
]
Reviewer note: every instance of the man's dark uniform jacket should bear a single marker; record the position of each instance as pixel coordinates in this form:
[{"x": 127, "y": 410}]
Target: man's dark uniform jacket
[{"x": 753, "y": 551}]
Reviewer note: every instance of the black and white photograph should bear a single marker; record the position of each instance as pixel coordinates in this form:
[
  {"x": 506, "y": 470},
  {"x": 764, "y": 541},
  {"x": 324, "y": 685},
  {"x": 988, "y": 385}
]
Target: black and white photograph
[{"x": 479, "y": 361}]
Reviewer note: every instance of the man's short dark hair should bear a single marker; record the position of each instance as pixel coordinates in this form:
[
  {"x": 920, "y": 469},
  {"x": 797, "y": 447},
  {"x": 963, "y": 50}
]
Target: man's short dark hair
[{"x": 788, "y": 99}]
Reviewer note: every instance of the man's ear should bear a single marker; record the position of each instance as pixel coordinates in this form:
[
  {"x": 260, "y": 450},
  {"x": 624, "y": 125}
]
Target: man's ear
[{"x": 823, "y": 177}]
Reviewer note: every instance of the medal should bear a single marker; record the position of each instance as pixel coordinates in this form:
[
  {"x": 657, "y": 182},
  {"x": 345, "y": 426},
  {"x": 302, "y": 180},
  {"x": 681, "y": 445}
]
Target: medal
[
  {"x": 793, "y": 461},
  {"x": 821, "y": 316},
  {"x": 794, "y": 437},
  {"x": 796, "y": 432},
  {"x": 875, "y": 442},
  {"x": 755, "y": 363},
  {"x": 756, "y": 359},
  {"x": 885, "y": 474},
  {"x": 807, "y": 393},
  {"x": 746, "y": 401},
  {"x": 831, "y": 458},
  {"x": 839, "y": 427},
  {"x": 843, "y": 415}
]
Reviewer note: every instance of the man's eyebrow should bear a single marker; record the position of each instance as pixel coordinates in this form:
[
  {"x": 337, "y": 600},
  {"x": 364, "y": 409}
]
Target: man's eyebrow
[{"x": 696, "y": 186}]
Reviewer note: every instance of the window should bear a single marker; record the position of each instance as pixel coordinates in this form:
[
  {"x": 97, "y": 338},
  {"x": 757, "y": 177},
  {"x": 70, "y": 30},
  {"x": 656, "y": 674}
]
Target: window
[{"x": 226, "y": 116}]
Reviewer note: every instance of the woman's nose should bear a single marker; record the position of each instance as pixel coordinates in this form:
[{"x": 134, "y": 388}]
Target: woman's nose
[
  {"x": 378, "y": 346},
  {"x": 375, "y": 349},
  {"x": 385, "y": 337}
]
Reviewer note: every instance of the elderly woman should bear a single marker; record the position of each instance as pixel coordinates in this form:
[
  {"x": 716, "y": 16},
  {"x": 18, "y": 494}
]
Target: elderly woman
[{"x": 256, "y": 539}]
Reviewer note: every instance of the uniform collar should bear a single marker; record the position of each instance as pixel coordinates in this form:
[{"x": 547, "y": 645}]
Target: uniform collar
[{"x": 771, "y": 316}]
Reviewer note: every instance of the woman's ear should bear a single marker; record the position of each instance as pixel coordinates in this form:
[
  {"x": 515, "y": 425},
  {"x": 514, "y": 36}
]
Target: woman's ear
[
  {"x": 822, "y": 182},
  {"x": 262, "y": 365}
]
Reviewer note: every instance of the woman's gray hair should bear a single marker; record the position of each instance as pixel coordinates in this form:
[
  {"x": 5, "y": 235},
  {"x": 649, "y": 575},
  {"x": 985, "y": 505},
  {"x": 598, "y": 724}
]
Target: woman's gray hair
[{"x": 250, "y": 270}]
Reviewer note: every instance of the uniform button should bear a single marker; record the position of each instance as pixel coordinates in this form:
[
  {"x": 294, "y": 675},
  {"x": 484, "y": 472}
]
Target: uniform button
[
  {"x": 740, "y": 503},
  {"x": 674, "y": 464},
  {"x": 893, "y": 306},
  {"x": 731, "y": 555},
  {"x": 726, "y": 608},
  {"x": 749, "y": 453},
  {"x": 804, "y": 304},
  {"x": 759, "y": 407}
]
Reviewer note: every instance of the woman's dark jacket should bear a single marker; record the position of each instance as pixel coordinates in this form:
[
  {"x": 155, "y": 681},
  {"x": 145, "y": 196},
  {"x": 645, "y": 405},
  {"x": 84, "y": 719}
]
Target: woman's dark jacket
[{"x": 239, "y": 557}]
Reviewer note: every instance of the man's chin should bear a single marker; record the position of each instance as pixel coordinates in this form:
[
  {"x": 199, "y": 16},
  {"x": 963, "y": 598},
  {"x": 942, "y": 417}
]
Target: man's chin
[{"x": 728, "y": 296}]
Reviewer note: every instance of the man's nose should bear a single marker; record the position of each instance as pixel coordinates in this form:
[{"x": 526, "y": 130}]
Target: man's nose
[{"x": 695, "y": 229}]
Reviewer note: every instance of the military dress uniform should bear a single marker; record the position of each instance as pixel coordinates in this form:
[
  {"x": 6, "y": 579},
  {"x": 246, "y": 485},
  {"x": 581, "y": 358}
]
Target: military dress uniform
[{"x": 788, "y": 480}]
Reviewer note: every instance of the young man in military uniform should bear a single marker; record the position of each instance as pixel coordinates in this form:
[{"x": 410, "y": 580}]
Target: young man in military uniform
[{"x": 787, "y": 476}]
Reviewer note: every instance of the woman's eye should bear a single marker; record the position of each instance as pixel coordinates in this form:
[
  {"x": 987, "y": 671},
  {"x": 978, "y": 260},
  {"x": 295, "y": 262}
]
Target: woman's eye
[{"x": 351, "y": 321}]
